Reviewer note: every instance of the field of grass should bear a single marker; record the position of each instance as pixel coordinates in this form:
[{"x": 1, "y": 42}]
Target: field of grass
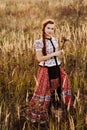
[{"x": 20, "y": 25}]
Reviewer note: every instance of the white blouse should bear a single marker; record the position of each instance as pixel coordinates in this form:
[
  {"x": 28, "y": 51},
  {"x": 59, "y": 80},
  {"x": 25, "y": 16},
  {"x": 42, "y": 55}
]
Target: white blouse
[{"x": 38, "y": 44}]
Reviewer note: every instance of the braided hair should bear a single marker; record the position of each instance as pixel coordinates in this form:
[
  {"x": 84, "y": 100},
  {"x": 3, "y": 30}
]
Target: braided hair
[{"x": 44, "y": 24}]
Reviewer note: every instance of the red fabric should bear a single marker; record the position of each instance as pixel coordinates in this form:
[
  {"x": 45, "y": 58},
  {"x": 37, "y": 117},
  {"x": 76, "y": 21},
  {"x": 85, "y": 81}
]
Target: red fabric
[
  {"x": 54, "y": 84},
  {"x": 40, "y": 101},
  {"x": 65, "y": 88},
  {"x": 38, "y": 106}
]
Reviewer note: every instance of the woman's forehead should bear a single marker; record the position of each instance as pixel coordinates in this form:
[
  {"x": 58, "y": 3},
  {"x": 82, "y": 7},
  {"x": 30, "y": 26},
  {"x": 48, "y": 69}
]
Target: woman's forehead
[{"x": 50, "y": 25}]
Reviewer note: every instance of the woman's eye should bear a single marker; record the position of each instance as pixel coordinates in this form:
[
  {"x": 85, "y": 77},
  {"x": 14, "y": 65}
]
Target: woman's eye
[
  {"x": 52, "y": 28},
  {"x": 48, "y": 28}
]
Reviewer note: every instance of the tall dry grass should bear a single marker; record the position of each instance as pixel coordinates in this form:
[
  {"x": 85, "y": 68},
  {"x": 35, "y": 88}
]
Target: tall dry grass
[{"x": 20, "y": 25}]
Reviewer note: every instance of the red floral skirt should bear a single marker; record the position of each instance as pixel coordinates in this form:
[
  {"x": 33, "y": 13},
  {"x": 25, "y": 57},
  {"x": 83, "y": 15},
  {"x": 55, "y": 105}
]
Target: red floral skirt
[{"x": 39, "y": 104}]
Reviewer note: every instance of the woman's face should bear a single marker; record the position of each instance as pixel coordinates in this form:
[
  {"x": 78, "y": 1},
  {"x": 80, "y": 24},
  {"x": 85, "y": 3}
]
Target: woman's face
[{"x": 49, "y": 30}]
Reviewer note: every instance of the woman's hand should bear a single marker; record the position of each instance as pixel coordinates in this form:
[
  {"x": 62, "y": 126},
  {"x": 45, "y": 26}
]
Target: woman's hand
[
  {"x": 41, "y": 57},
  {"x": 59, "y": 53}
]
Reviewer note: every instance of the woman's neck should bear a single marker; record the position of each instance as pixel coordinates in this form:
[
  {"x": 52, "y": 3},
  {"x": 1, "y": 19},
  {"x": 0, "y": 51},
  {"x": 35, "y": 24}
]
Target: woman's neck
[{"x": 48, "y": 37}]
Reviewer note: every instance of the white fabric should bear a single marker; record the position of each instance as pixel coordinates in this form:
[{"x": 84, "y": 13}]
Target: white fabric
[{"x": 38, "y": 44}]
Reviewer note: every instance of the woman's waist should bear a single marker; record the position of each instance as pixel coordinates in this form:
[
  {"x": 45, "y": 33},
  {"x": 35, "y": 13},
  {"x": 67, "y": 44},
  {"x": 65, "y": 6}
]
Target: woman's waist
[
  {"x": 50, "y": 63},
  {"x": 54, "y": 66}
]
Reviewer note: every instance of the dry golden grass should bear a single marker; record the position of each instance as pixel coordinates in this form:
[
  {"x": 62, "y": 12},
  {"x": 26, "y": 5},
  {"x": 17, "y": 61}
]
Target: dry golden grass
[{"x": 20, "y": 25}]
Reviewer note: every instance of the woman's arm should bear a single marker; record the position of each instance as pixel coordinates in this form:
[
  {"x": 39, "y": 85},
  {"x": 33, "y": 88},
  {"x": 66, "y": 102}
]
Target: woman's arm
[{"x": 41, "y": 57}]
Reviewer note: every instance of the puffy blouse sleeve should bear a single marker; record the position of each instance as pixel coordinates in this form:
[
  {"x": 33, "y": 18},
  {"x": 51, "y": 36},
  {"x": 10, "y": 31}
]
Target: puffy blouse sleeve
[{"x": 38, "y": 45}]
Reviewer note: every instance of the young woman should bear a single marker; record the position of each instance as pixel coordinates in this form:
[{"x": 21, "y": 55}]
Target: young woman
[{"x": 52, "y": 84}]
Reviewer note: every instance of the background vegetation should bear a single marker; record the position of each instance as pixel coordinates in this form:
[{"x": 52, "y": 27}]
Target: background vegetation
[{"x": 20, "y": 25}]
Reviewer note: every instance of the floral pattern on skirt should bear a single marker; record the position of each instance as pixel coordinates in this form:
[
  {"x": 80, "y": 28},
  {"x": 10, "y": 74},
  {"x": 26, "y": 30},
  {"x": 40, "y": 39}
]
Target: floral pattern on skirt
[{"x": 39, "y": 104}]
